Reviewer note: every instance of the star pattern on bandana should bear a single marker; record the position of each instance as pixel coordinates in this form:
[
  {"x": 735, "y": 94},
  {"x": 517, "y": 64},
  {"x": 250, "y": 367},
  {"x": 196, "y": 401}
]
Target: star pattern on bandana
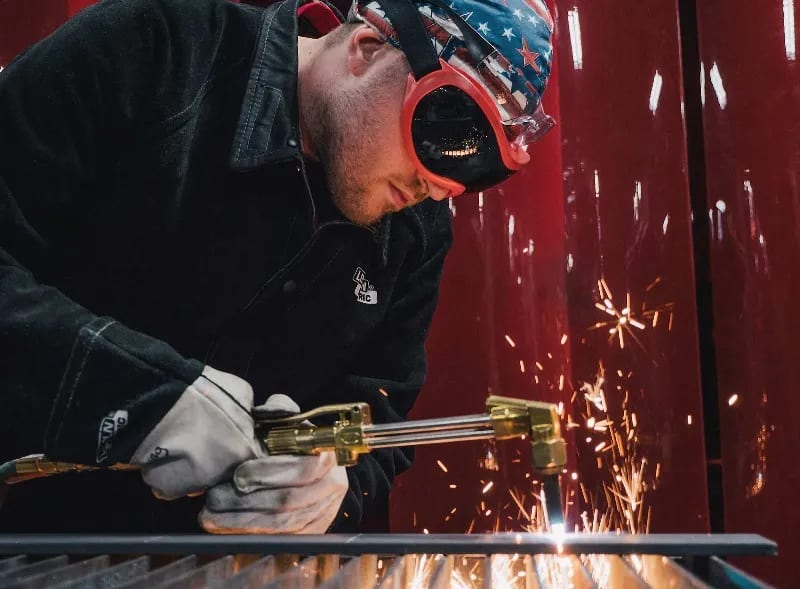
[
  {"x": 529, "y": 57},
  {"x": 519, "y": 30}
]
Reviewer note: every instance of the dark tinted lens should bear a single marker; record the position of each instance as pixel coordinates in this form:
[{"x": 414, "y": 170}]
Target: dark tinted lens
[{"x": 454, "y": 139}]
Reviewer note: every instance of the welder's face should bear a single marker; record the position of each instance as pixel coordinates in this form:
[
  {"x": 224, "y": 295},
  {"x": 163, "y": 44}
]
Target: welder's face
[{"x": 360, "y": 144}]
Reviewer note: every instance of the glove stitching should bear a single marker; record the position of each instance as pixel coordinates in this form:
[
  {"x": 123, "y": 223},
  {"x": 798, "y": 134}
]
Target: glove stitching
[{"x": 231, "y": 397}]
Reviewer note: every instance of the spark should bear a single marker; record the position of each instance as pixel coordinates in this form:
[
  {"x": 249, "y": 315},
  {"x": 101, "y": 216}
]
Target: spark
[
  {"x": 621, "y": 500},
  {"x": 624, "y": 320},
  {"x": 487, "y": 487},
  {"x": 563, "y": 339},
  {"x": 689, "y": 419},
  {"x": 522, "y": 366},
  {"x": 383, "y": 392},
  {"x": 453, "y": 486},
  {"x": 510, "y": 341},
  {"x": 441, "y": 465},
  {"x": 732, "y": 399}
]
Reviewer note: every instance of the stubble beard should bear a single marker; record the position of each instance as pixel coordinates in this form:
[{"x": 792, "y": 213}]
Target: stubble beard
[{"x": 339, "y": 131}]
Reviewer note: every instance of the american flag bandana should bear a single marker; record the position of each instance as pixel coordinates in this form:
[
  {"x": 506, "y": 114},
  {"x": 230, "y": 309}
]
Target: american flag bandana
[{"x": 515, "y": 75}]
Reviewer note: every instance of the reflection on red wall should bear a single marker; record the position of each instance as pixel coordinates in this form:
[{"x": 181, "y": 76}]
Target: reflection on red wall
[{"x": 751, "y": 89}]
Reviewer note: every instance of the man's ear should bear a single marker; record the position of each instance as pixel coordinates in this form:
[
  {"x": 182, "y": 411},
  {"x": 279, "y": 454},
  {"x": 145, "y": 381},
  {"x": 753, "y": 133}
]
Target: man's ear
[{"x": 364, "y": 47}]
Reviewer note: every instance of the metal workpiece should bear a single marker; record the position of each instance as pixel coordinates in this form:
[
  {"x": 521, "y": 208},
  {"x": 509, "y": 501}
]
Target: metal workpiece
[
  {"x": 524, "y": 561},
  {"x": 501, "y": 543}
]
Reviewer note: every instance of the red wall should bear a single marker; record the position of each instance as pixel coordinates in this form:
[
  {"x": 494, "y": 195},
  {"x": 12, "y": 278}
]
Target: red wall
[
  {"x": 752, "y": 144},
  {"x": 606, "y": 198}
]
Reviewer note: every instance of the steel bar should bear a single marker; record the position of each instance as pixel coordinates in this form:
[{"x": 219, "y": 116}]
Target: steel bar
[{"x": 392, "y": 544}]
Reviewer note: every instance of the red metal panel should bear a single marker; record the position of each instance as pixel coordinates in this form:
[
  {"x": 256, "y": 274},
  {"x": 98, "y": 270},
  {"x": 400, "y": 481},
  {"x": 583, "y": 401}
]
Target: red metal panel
[
  {"x": 751, "y": 105},
  {"x": 620, "y": 215},
  {"x": 629, "y": 243},
  {"x": 502, "y": 309},
  {"x": 23, "y": 22}
]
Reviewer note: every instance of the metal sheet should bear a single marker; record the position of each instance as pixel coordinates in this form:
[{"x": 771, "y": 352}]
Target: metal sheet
[
  {"x": 661, "y": 571},
  {"x": 358, "y": 573},
  {"x": 612, "y": 571},
  {"x": 208, "y": 574},
  {"x": 170, "y": 571},
  {"x": 555, "y": 571},
  {"x": 254, "y": 575},
  {"x": 107, "y": 576},
  {"x": 59, "y": 575},
  {"x": 10, "y": 563},
  {"x": 34, "y": 568}
]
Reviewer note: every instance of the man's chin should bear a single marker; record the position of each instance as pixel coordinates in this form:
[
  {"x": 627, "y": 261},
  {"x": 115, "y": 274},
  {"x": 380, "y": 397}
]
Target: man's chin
[{"x": 364, "y": 219}]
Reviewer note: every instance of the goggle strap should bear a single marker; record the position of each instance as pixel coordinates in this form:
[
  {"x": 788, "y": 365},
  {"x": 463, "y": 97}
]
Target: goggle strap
[{"x": 412, "y": 36}]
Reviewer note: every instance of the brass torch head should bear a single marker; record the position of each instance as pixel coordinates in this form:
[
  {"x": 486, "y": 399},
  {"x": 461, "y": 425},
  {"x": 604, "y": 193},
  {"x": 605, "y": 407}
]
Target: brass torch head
[{"x": 517, "y": 418}]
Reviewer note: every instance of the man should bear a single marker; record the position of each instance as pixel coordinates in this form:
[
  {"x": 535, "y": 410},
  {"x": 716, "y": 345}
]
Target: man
[{"x": 201, "y": 208}]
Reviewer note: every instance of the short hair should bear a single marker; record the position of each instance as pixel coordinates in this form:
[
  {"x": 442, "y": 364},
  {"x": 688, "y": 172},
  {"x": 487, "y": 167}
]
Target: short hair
[{"x": 342, "y": 32}]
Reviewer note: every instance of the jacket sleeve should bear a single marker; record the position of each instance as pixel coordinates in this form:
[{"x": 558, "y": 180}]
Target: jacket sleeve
[
  {"x": 72, "y": 382},
  {"x": 390, "y": 373}
]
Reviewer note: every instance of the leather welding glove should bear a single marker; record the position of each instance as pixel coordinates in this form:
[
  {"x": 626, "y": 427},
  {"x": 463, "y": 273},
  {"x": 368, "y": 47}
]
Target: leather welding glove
[
  {"x": 277, "y": 494},
  {"x": 202, "y": 439}
]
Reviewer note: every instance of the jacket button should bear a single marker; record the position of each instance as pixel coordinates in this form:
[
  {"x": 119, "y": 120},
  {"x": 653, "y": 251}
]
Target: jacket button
[
  {"x": 289, "y": 287},
  {"x": 292, "y": 143}
]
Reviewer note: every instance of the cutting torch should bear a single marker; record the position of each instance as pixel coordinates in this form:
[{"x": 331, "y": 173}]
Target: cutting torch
[{"x": 349, "y": 432}]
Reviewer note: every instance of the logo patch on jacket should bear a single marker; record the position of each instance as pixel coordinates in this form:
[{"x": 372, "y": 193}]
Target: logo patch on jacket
[
  {"x": 365, "y": 291},
  {"x": 110, "y": 425}
]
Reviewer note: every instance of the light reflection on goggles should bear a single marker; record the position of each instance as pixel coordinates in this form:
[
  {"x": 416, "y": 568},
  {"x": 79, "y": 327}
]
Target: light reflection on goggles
[{"x": 453, "y": 139}]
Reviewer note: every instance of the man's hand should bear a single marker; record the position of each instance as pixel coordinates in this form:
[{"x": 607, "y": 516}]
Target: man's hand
[
  {"x": 278, "y": 494},
  {"x": 202, "y": 439}
]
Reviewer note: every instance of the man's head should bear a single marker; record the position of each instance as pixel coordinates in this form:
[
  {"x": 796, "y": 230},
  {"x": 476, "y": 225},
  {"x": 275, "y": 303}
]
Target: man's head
[{"x": 440, "y": 103}]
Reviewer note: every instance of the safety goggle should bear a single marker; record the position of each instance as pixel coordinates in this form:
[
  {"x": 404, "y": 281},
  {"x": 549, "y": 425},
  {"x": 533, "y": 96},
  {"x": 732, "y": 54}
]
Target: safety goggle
[{"x": 456, "y": 134}]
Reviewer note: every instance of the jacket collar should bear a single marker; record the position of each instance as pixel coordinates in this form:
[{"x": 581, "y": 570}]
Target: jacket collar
[{"x": 268, "y": 129}]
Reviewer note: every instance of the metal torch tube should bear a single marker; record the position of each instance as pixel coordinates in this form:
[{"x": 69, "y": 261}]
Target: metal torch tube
[
  {"x": 429, "y": 425},
  {"x": 419, "y": 439}
]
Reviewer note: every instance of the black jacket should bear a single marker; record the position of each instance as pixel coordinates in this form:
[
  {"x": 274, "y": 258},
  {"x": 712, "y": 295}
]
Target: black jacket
[{"x": 156, "y": 215}]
